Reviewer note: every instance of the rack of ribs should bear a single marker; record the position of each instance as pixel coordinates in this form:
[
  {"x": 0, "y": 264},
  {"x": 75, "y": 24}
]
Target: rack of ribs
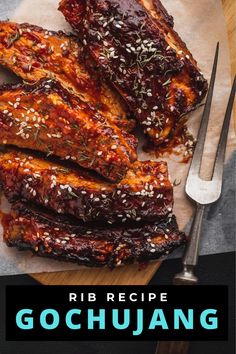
[
  {"x": 144, "y": 194},
  {"x": 48, "y": 236},
  {"x": 34, "y": 53},
  {"x": 48, "y": 118},
  {"x": 135, "y": 46}
]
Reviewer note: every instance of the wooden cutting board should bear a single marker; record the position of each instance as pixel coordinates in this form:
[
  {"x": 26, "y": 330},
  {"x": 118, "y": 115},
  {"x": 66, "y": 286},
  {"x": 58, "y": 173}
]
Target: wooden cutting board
[{"x": 131, "y": 274}]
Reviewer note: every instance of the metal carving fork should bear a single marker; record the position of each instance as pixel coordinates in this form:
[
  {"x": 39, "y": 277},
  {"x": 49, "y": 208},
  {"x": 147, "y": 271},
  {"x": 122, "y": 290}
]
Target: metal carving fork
[{"x": 203, "y": 192}]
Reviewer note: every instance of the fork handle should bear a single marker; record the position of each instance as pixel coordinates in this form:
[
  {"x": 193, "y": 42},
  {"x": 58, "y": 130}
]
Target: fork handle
[
  {"x": 191, "y": 254},
  {"x": 172, "y": 347},
  {"x": 186, "y": 277}
]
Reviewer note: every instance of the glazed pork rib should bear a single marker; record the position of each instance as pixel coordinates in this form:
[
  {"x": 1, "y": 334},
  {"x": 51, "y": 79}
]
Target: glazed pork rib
[
  {"x": 34, "y": 53},
  {"x": 144, "y": 194},
  {"x": 46, "y": 117},
  {"x": 47, "y": 236},
  {"x": 134, "y": 44}
]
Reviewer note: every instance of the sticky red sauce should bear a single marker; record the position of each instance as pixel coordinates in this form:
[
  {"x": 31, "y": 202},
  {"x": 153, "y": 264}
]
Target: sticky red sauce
[
  {"x": 1, "y": 215},
  {"x": 5, "y": 220},
  {"x": 180, "y": 145},
  {"x": 143, "y": 265}
]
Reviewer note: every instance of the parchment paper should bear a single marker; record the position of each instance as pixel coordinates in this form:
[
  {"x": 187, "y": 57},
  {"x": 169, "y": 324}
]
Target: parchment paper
[{"x": 201, "y": 24}]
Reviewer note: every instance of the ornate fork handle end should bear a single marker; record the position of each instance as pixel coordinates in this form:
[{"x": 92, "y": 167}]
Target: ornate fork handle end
[{"x": 187, "y": 277}]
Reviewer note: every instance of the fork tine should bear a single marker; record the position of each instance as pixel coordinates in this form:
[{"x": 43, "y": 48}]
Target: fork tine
[
  {"x": 197, "y": 156},
  {"x": 220, "y": 154}
]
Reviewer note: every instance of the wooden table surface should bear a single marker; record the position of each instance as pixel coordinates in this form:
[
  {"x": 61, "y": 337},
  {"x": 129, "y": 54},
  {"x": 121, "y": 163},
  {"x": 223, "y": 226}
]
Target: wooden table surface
[{"x": 131, "y": 274}]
